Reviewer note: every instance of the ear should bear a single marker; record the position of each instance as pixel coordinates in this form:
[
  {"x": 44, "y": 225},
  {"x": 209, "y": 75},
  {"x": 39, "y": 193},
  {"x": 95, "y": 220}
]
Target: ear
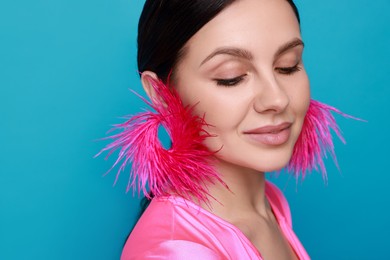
[{"x": 147, "y": 77}]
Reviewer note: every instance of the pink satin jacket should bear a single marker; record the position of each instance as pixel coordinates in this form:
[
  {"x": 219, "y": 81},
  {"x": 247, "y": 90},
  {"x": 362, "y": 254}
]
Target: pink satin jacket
[{"x": 175, "y": 228}]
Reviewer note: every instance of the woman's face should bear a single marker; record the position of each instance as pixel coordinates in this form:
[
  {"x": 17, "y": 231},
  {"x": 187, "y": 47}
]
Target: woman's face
[{"x": 244, "y": 71}]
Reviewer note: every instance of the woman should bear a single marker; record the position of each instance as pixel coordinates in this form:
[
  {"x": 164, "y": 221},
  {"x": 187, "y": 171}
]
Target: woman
[{"x": 228, "y": 83}]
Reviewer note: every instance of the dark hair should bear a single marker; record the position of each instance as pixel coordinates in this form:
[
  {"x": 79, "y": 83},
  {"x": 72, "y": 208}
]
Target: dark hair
[{"x": 166, "y": 25}]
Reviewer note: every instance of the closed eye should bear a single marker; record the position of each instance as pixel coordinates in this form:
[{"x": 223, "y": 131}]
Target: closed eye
[
  {"x": 289, "y": 70},
  {"x": 229, "y": 82}
]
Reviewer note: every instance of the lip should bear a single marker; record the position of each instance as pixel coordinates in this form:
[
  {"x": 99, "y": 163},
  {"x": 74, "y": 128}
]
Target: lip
[{"x": 272, "y": 134}]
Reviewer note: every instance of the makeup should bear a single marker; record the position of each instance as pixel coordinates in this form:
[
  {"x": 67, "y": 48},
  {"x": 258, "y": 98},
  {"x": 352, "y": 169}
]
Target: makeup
[{"x": 271, "y": 135}]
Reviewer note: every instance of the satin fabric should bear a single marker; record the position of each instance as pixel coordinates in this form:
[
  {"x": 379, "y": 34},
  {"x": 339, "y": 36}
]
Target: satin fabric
[{"x": 175, "y": 228}]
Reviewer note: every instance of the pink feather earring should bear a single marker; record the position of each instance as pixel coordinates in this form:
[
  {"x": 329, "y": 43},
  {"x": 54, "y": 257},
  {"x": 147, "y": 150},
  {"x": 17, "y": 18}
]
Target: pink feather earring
[
  {"x": 315, "y": 140},
  {"x": 185, "y": 168}
]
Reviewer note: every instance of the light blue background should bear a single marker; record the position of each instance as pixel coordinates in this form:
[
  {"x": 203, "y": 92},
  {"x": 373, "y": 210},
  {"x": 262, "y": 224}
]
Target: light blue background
[{"x": 65, "y": 71}]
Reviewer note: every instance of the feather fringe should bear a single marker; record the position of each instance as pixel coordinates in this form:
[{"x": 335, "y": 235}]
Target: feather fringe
[
  {"x": 315, "y": 140},
  {"x": 184, "y": 169}
]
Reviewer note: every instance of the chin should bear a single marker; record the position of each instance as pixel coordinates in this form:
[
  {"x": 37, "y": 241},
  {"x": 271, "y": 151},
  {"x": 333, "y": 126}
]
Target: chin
[
  {"x": 278, "y": 165},
  {"x": 269, "y": 166},
  {"x": 274, "y": 168},
  {"x": 257, "y": 162}
]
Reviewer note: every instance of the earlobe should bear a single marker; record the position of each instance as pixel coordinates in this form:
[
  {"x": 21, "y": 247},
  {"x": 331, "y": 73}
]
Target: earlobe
[{"x": 147, "y": 79}]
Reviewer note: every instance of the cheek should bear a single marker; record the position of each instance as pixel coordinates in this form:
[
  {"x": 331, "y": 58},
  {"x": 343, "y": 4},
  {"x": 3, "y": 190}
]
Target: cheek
[
  {"x": 299, "y": 103},
  {"x": 299, "y": 94},
  {"x": 224, "y": 115},
  {"x": 220, "y": 107},
  {"x": 212, "y": 113}
]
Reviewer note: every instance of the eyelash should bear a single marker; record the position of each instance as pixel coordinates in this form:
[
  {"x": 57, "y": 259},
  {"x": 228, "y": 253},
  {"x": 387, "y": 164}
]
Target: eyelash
[
  {"x": 235, "y": 81},
  {"x": 230, "y": 82},
  {"x": 289, "y": 70}
]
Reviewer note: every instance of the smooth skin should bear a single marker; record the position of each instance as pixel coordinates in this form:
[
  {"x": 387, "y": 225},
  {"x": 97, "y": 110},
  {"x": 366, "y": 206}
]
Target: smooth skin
[{"x": 244, "y": 70}]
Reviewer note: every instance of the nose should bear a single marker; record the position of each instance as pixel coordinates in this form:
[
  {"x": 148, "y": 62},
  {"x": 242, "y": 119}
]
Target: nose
[{"x": 270, "y": 97}]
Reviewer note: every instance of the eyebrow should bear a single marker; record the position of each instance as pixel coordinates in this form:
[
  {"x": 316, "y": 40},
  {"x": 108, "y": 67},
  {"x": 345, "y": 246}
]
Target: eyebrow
[
  {"x": 245, "y": 54},
  {"x": 236, "y": 52},
  {"x": 289, "y": 45}
]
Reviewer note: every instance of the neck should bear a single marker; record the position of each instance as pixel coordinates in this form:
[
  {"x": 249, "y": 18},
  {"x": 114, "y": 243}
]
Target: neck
[{"x": 246, "y": 192}]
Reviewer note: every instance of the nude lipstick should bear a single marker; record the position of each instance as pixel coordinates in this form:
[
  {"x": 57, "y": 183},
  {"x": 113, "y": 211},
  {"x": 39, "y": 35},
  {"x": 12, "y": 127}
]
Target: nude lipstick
[{"x": 271, "y": 135}]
